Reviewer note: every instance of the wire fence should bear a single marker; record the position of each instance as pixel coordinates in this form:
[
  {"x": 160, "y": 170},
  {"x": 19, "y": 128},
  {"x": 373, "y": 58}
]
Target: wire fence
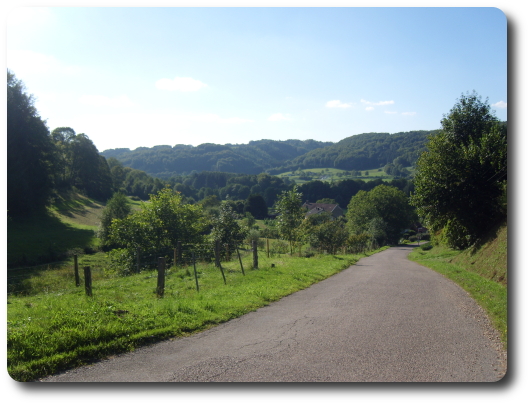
[{"x": 228, "y": 257}]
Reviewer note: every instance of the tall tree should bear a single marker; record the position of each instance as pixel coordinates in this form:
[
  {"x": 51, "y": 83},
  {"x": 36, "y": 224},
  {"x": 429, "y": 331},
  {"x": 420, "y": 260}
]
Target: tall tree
[
  {"x": 461, "y": 180},
  {"x": 30, "y": 152}
]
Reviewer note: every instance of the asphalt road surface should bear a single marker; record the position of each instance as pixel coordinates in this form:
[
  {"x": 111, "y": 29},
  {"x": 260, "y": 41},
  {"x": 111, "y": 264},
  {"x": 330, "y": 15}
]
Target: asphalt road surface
[{"x": 385, "y": 319}]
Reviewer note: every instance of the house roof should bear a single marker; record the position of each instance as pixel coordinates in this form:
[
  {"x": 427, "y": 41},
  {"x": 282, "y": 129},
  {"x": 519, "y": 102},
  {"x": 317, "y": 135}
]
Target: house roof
[{"x": 316, "y": 208}]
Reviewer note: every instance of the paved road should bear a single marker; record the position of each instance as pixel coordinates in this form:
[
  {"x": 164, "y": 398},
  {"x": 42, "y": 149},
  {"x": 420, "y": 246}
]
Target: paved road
[{"x": 384, "y": 319}]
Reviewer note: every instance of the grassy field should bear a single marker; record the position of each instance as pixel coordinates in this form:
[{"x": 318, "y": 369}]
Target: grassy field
[
  {"x": 63, "y": 328},
  {"x": 481, "y": 272},
  {"x": 334, "y": 175}
]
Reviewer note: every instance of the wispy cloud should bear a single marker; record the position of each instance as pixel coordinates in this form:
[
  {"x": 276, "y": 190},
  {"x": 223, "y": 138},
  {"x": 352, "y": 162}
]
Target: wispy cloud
[
  {"x": 104, "y": 101},
  {"x": 370, "y": 108},
  {"x": 338, "y": 104},
  {"x": 280, "y": 117},
  {"x": 500, "y": 104},
  {"x": 377, "y": 103},
  {"x": 180, "y": 84},
  {"x": 390, "y": 112},
  {"x": 408, "y": 113}
]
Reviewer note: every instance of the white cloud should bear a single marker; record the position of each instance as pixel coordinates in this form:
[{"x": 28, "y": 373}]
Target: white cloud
[
  {"x": 500, "y": 104},
  {"x": 280, "y": 117},
  {"x": 408, "y": 113},
  {"x": 390, "y": 112},
  {"x": 377, "y": 103},
  {"x": 337, "y": 104},
  {"x": 369, "y": 108},
  {"x": 103, "y": 101},
  {"x": 180, "y": 84}
]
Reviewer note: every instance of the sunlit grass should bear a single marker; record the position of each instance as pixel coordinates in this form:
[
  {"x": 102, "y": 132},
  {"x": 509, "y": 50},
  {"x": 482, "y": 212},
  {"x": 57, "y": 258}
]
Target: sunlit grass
[{"x": 64, "y": 328}]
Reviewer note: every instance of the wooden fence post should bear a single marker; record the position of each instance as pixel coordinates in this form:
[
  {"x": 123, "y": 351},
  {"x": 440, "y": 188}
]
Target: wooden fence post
[
  {"x": 216, "y": 250},
  {"x": 161, "y": 277},
  {"x": 240, "y": 262},
  {"x": 88, "y": 281},
  {"x": 76, "y": 272},
  {"x": 195, "y": 271},
  {"x": 268, "y": 251},
  {"x": 255, "y": 254}
]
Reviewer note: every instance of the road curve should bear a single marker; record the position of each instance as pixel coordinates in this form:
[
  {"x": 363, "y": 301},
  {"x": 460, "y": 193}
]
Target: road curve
[{"x": 385, "y": 319}]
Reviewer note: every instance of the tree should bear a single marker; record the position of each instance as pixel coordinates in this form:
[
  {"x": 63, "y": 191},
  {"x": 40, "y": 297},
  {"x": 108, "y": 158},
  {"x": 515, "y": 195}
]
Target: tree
[
  {"x": 460, "y": 183},
  {"x": 117, "y": 207},
  {"x": 157, "y": 227},
  {"x": 324, "y": 232},
  {"x": 226, "y": 229},
  {"x": 382, "y": 209},
  {"x": 30, "y": 152},
  {"x": 257, "y": 206},
  {"x": 290, "y": 215}
]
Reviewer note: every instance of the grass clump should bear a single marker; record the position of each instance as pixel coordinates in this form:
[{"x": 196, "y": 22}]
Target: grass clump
[{"x": 64, "y": 328}]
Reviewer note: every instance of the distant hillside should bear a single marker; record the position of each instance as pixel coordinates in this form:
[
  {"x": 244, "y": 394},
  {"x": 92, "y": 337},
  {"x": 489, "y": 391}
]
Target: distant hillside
[
  {"x": 363, "y": 151},
  {"x": 252, "y": 158}
]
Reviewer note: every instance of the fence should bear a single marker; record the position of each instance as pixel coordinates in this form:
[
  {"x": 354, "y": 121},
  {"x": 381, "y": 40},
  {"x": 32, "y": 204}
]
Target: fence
[{"x": 186, "y": 255}]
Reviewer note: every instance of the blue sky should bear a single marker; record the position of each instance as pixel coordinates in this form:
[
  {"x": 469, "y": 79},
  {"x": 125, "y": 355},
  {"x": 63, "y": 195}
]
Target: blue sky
[{"x": 130, "y": 77}]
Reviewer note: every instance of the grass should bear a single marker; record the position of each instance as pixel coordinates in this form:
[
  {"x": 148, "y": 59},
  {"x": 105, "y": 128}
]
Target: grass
[
  {"x": 482, "y": 273},
  {"x": 332, "y": 175},
  {"x": 64, "y": 328}
]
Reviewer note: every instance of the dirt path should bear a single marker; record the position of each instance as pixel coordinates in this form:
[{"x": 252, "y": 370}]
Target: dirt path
[{"x": 384, "y": 319}]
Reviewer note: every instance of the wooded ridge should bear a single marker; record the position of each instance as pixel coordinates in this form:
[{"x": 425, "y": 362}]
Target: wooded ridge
[{"x": 357, "y": 152}]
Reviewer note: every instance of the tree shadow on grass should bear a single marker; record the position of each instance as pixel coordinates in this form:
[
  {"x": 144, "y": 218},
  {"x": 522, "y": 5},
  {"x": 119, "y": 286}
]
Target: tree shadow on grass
[{"x": 43, "y": 238}]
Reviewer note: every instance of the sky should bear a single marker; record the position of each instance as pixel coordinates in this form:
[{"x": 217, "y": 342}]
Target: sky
[{"x": 133, "y": 76}]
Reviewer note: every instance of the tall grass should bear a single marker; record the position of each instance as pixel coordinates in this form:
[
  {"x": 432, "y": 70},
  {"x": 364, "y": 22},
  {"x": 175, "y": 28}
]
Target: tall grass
[{"x": 64, "y": 328}]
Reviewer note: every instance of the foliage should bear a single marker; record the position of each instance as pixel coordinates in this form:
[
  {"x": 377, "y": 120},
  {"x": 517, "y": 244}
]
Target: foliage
[
  {"x": 460, "y": 183},
  {"x": 226, "y": 228},
  {"x": 117, "y": 207},
  {"x": 290, "y": 215},
  {"x": 80, "y": 164},
  {"x": 254, "y": 158},
  {"x": 158, "y": 226},
  {"x": 256, "y": 206},
  {"x": 382, "y": 212},
  {"x": 30, "y": 153},
  {"x": 324, "y": 232}
]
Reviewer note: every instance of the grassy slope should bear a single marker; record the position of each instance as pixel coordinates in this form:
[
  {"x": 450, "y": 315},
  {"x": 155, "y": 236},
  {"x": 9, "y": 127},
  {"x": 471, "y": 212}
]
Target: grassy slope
[{"x": 482, "y": 272}]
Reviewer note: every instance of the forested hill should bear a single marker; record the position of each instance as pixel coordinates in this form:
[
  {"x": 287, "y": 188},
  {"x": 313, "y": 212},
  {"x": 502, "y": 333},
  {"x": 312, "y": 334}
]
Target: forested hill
[
  {"x": 363, "y": 151},
  {"x": 357, "y": 152},
  {"x": 253, "y": 158}
]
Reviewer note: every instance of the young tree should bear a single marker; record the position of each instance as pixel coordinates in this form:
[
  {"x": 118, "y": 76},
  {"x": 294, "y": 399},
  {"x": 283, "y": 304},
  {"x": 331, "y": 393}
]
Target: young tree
[
  {"x": 460, "y": 182},
  {"x": 290, "y": 215},
  {"x": 116, "y": 208},
  {"x": 226, "y": 229}
]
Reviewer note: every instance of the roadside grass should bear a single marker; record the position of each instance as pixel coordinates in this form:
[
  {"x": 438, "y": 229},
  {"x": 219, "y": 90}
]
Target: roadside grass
[
  {"x": 64, "y": 328},
  {"x": 489, "y": 294}
]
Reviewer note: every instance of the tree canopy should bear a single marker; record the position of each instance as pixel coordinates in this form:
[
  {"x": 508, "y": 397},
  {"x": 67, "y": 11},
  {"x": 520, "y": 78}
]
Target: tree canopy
[
  {"x": 30, "y": 152},
  {"x": 382, "y": 212},
  {"x": 461, "y": 180}
]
